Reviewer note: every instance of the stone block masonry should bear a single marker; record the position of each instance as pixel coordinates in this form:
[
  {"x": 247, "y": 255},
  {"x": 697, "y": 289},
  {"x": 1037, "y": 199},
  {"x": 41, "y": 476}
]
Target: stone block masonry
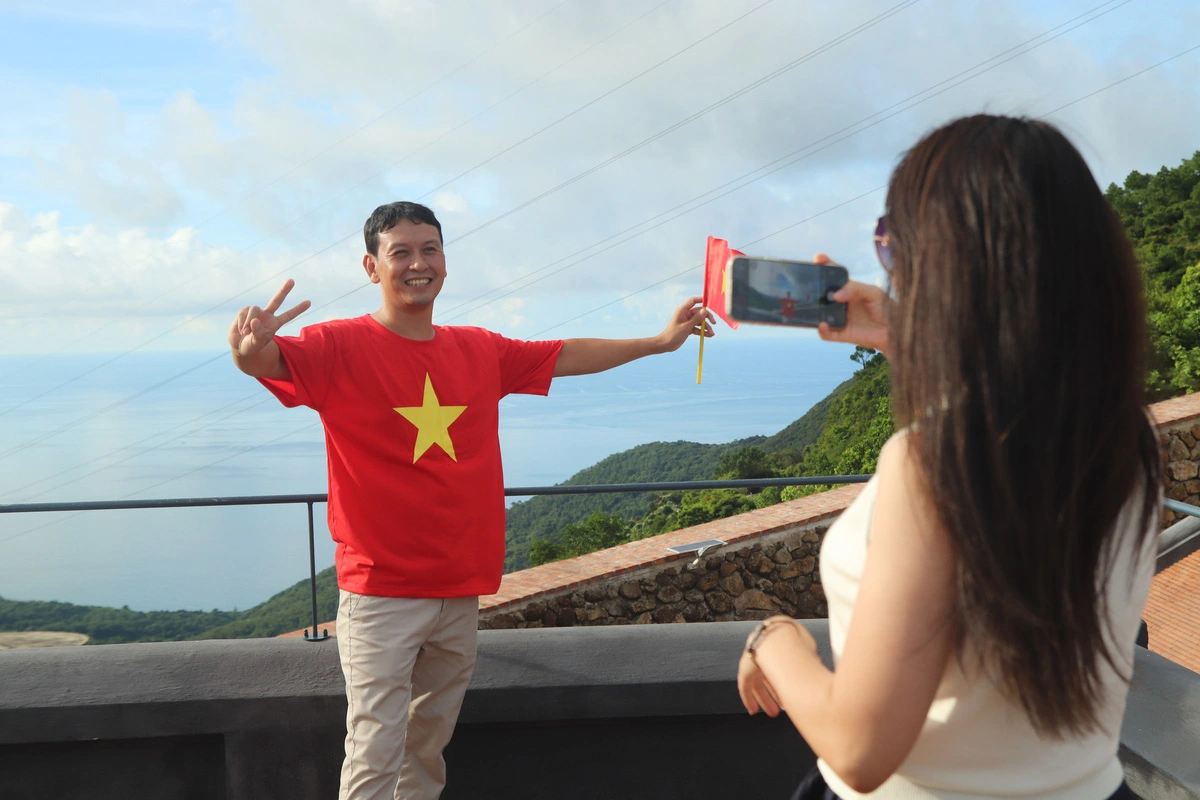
[
  {"x": 1178, "y": 421},
  {"x": 767, "y": 566},
  {"x": 749, "y": 583}
]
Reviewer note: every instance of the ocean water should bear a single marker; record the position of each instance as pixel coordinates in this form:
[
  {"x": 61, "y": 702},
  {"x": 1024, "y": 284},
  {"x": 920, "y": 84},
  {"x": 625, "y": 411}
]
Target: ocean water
[{"x": 165, "y": 425}]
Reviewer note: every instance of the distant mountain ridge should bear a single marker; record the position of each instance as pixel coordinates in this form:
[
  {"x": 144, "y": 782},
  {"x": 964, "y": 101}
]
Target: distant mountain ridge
[
  {"x": 545, "y": 516},
  {"x": 291, "y": 609},
  {"x": 286, "y": 611}
]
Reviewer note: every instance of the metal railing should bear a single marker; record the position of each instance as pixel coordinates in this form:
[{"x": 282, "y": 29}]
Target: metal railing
[{"x": 1172, "y": 546}]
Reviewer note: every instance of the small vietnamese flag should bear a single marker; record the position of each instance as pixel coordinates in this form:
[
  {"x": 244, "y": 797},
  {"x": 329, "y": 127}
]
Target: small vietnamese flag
[
  {"x": 716, "y": 287},
  {"x": 716, "y": 277}
]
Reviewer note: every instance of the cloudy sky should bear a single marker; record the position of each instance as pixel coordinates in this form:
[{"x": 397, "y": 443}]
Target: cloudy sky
[{"x": 164, "y": 163}]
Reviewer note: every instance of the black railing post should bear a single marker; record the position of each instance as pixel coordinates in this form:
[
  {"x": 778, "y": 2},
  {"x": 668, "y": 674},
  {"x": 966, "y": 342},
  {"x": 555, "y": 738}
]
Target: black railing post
[{"x": 312, "y": 575}]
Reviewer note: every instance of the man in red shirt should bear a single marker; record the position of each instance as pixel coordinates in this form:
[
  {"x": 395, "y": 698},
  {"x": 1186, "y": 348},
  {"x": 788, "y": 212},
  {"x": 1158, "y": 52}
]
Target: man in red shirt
[
  {"x": 416, "y": 493},
  {"x": 788, "y": 309}
]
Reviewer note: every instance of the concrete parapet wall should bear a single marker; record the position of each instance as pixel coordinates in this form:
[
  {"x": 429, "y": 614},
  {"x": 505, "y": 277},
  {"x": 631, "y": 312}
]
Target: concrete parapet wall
[
  {"x": 550, "y": 713},
  {"x": 621, "y": 712}
]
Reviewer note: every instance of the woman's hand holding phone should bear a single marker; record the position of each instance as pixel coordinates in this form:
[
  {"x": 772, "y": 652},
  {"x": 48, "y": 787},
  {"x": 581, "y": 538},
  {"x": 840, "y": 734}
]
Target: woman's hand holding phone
[{"x": 866, "y": 314}]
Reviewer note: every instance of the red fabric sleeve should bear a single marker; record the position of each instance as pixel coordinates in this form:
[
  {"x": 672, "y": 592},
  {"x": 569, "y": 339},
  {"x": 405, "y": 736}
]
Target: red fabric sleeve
[
  {"x": 526, "y": 367},
  {"x": 310, "y": 358}
]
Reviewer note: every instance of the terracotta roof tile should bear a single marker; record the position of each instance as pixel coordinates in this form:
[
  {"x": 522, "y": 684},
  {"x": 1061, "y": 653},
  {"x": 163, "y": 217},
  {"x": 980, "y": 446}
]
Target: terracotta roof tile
[{"x": 1173, "y": 612}]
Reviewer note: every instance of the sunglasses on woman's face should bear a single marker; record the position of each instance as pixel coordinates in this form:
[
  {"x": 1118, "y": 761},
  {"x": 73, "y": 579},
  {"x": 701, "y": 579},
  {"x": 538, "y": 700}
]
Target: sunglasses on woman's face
[{"x": 883, "y": 246}]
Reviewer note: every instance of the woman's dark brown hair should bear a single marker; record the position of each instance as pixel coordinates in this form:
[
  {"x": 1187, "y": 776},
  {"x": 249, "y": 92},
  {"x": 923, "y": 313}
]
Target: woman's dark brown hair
[{"x": 1018, "y": 339}]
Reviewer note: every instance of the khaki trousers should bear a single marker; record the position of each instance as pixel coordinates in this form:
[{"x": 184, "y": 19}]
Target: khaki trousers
[{"x": 407, "y": 662}]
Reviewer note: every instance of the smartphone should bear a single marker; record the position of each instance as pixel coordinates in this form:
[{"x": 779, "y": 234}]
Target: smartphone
[{"x": 772, "y": 291}]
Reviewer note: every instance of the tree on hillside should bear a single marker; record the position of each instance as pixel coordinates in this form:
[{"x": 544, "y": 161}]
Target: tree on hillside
[
  {"x": 600, "y": 531},
  {"x": 1161, "y": 214},
  {"x": 745, "y": 464}
]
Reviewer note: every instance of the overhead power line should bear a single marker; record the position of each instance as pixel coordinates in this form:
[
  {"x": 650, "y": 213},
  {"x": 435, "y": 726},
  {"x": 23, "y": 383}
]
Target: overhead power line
[
  {"x": 696, "y": 267},
  {"x": 789, "y": 159},
  {"x": 679, "y": 274},
  {"x": 384, "y": 115},
  {"x": 286, "y": 226},
  {"x": 106, "y": 457},
  {"x": 212, "y": 463},
  {"x": 224, "y": 303},
  {"x": 645, "y": 288}
]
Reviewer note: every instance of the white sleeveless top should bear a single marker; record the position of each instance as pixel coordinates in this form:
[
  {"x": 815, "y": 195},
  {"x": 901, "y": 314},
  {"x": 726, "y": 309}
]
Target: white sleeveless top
[{"x": 976, "y": 744}]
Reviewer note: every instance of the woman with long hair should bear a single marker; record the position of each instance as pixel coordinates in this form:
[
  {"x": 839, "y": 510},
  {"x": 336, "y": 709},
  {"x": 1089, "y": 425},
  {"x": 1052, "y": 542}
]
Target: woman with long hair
[{"x": 985, "y": 588}]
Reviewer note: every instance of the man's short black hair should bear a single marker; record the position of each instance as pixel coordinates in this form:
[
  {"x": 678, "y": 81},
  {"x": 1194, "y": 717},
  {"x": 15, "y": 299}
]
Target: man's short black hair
[{"x": 388, "y": 215}]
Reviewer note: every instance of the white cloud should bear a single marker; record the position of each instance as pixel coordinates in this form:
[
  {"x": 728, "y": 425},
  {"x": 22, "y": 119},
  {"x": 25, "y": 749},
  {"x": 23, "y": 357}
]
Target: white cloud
[{"x": 177, "y": 207}]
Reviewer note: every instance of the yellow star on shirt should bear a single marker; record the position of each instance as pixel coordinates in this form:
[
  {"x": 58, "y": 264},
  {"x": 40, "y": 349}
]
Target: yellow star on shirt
[{"x": 433, "y": 422}]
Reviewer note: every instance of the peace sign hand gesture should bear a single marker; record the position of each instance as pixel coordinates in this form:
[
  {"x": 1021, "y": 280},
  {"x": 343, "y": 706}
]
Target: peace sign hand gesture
[{"x": 253, "y": 328}]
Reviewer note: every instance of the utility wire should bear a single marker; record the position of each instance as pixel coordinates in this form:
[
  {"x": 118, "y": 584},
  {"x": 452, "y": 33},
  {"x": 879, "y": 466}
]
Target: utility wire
[
  {"x": 246, "y": 249},
  {"x": 117, "y": 404},
  {"x": 384, "y": 115},
  {"x": 213, "y": 463},
  {"x": 695, "y": 267},
  {"x": 224, "y": 303},
  {"x": 645, "y": 288},
  {"x": 259, "y": 396},
  {"x": 308, "y": 213},
  {"x": 976, "y": 70},
  {"x": 788, "y": 160},
  {"x": 947, "y": 88},
  {"x": 698, "y": 114},
  {"x": 782, "y": 162}
]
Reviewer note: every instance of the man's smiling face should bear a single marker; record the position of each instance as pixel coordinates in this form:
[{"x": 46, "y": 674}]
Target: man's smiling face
[{"x": 410, "y": 265}]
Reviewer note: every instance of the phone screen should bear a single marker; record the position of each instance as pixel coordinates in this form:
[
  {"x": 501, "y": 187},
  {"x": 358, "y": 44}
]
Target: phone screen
[{"x": 777, "y": 292}]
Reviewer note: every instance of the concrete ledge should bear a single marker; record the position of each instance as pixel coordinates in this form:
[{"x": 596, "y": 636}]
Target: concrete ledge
[
  {"x": 585, "y": 713},
  {"x": 630, "y": 712},
  {"x": 619, "y": 672},
  {"x": 1160, "y": 738}
]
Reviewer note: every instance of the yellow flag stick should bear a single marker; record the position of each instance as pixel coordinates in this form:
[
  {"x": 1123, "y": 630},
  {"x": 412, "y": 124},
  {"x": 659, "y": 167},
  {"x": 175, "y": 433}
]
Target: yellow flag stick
[{"x": 700, "y": 366}]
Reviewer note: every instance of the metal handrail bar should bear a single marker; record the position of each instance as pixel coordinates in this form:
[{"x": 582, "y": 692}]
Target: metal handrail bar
[
  {"x": 170, "y": 502},
  {"x": 310, "y": 499},
  {"x": 512, "y": 491},
  {"x": 1176, "y": 544},
  {"x": 744, "y": 483},
  {"x": 1182, "y": 508}
]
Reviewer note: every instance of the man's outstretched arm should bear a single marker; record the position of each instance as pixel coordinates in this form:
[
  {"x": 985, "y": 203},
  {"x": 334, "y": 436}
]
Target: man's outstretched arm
[
  {"x": 252, "y": 336},
  {"x": 586, "y": 356}
]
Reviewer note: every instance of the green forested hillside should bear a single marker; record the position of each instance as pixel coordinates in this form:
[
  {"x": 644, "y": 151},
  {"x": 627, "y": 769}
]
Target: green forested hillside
[
  {"x": 841, "y": 435},
  {"x": 1161, "y": 213},
  {"x": 109, "y": 625},
  {"x": 546, "y": 516},
  {"x": 804, "y": 431},
  {"x": 289, "y": 610}
]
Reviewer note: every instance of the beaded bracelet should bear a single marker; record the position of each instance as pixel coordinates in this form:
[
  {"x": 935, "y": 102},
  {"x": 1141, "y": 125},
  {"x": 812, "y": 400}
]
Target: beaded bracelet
[{"x": 760, "y": 631}]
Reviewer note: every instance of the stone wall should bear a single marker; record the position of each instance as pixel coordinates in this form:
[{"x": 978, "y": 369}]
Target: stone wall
[
  {"x": 753, "y": 581},
  {"x": 769, "y": 566},
  {"x": 1181, "y": 443}
]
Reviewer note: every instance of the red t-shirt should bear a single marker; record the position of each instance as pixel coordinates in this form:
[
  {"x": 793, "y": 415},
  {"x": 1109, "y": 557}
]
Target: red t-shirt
[{"x": 416, "y": 493}]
